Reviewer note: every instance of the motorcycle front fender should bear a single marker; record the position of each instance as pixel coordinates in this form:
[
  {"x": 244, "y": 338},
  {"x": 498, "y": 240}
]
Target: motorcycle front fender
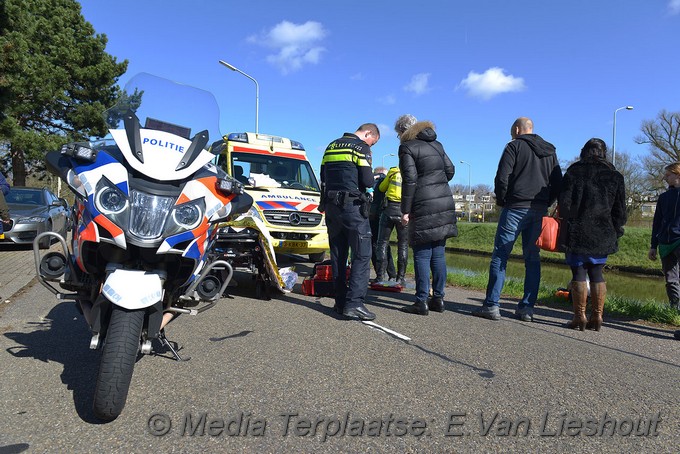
[{"x": 132, "y": 289}]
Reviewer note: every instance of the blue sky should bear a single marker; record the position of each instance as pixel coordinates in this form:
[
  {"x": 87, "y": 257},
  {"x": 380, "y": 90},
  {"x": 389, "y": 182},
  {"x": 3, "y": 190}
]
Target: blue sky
[{"x": 325, "y": 67}]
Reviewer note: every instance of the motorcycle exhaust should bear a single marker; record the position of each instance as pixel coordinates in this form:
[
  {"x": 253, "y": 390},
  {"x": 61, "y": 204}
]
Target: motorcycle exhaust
[{"x": 53, "y": 265}]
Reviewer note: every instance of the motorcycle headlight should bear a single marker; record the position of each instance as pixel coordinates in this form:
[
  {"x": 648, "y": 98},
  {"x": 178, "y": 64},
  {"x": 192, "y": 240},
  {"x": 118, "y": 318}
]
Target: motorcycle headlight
[
  {"x": 112, "y": 203},
  {"x": 148, "y": 214},
  {"x": 184, "y": 217},
  {"x": 110, "y": 200},
  {"x": 188, "y": 216}
]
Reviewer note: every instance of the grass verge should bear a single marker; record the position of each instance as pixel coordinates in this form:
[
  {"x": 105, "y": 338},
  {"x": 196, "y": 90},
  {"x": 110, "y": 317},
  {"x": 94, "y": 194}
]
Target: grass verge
[{"x": 651, "y": 311}]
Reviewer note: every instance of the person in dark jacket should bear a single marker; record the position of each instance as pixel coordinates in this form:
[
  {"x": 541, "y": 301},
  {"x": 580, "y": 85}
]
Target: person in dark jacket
[
  {"x": 666, "y": 233},
  {"x": 379, "y": 173},
  {"x": 427, "y": 208},
  {"x": 592, "y": 205},
  {"x": 527, "y": 182}
]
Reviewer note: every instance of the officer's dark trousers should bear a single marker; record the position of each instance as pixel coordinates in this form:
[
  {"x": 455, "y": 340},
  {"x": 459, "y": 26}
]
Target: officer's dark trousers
[
  {"x": 348, "y": 229},
  {"x": 390, "y": 219},
  {"x": 374, "y": 221}
]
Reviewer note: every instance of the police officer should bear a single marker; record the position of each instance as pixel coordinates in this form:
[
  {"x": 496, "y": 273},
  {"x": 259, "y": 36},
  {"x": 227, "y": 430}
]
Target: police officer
[
  {"x": 345, "y": 175},
  {"x": 389, "y": 220}
]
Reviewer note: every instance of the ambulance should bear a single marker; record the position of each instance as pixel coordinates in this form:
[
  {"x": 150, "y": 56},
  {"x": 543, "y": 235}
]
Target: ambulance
[{"x": 285, "y": 191}]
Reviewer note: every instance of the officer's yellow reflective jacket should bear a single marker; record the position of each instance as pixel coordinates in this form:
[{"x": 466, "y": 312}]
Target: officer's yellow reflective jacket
[{"x": 391, "y": 185}]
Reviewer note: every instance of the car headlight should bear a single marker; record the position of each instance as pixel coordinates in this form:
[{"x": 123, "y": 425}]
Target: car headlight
[{"x": 31, "y": 220}]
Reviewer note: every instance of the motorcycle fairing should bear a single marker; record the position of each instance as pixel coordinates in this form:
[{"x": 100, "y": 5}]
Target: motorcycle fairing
[
  {"x": 217, "y": 205},
  {"x": 88, "y": 175},
  {"x": 133, "y": 289},
  {"x": 165, "y": 154}
]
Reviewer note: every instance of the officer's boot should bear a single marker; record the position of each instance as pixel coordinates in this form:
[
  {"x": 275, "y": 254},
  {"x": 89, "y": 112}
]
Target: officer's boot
[
  {"x": 420, "y": 308},
  {"x": 579, "y": 299},
  {"x": 598, "y": 293}
]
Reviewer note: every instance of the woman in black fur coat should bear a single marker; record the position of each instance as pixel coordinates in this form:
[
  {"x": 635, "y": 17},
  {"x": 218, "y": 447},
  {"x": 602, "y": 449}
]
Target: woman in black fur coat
[{"x": 592, "y": 205}]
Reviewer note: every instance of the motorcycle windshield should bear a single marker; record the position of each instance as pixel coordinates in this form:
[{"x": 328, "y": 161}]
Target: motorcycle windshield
[{"x": 163, "y": 128}]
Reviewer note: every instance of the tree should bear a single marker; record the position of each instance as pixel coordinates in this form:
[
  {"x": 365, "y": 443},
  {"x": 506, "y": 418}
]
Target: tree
[
  {"x": 458, "y": 188},
  {"x": 637, "y": 182},
  {"x": 56, "y": 79},
  {"x": 662, "y": 135}
]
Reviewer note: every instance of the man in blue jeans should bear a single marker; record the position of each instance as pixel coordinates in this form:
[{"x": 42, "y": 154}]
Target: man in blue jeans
[{"x": 527, "y": 182}]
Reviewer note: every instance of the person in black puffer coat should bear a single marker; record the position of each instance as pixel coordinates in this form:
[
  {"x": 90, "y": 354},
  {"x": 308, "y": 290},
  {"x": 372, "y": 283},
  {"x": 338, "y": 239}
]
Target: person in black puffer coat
[
  {"x": 427, "y": 206},
  {"x": 592, "y": 205}
]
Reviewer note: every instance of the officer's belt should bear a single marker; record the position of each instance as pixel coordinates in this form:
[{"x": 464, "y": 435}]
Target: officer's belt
[
  {"x": 341, "y": 197},
  {"x": 393, "y": 201}
]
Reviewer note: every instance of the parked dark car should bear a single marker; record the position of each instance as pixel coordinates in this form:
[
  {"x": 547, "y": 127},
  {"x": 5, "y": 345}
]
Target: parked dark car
[{"x": 33, "y": 211}]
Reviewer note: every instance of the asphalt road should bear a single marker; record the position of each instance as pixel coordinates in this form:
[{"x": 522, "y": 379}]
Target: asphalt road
[{"x": 288, "y": 375}]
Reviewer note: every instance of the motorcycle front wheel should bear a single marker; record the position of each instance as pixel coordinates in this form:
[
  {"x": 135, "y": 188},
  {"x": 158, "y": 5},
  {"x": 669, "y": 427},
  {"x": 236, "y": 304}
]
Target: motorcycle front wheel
[{"x": 117, "y": 362}]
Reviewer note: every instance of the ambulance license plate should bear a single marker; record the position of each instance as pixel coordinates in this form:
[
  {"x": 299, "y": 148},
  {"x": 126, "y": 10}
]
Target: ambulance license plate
[{"x": 294, "y": 244}]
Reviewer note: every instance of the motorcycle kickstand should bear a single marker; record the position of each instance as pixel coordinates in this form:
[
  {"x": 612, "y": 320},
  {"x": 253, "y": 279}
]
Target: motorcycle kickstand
[{"x": 164, "y": 341}]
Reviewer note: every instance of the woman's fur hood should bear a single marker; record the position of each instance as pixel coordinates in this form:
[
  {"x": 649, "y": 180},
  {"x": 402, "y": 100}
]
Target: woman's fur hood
[{"x": 412, "y": 132}]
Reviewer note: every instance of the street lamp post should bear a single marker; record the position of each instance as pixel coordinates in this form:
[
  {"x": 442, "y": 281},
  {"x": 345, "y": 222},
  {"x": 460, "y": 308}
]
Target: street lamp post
[
  {"x": 386, "y": 155},
  {"x": 257, "y": 92},
  {"x": 614, "y": 133},
  {"x": 469, "y": 191}
]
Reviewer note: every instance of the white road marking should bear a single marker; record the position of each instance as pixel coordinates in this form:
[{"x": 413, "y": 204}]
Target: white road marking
[{"x": 387, "y": 330}]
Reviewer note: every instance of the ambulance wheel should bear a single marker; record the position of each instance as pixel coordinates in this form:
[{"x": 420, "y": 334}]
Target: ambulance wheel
[{"x": 318, "y": 257}]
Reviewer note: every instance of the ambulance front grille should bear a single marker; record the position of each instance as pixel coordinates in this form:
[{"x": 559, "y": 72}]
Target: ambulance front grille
[{"x": 292, "y": 218}]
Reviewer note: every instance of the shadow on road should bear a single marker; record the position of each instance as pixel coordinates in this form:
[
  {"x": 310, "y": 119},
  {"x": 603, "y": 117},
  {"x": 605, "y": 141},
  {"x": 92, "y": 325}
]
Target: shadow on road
[{"x": 63, "y": 337}]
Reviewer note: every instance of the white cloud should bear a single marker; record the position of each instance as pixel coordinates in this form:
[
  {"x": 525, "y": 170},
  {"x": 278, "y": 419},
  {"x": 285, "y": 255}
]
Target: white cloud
[
  {"x": 674, "y": 7},
  {"x": 295, "y": 45},
  {"x": 388, "y": 100},
  {"x": 418, "y": 84},
  {"x": 492, "y": 82}
]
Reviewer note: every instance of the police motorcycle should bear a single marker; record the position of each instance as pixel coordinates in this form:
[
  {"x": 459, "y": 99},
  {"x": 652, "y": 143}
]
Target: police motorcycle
[{"x": 148, "y": 200}]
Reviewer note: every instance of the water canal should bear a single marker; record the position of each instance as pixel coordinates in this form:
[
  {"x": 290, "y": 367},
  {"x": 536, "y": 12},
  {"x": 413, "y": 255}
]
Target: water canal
[{"x": 620, "y": 283}]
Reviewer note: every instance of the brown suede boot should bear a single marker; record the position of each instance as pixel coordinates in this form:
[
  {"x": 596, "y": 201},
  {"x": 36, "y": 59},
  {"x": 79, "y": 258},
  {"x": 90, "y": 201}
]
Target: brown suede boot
[
  {"x": 598, "y": 293},
  {"x": 579, "y": 299}
]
